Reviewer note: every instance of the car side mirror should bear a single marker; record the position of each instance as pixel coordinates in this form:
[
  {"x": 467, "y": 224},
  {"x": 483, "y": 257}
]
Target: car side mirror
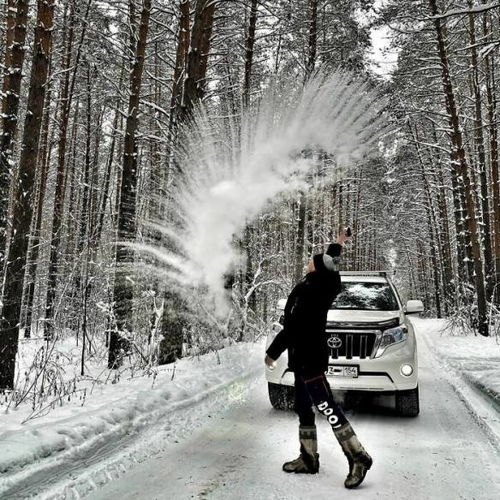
[
  {"x": 414, "y": 306},
  {"x": 280, "y": 306}
]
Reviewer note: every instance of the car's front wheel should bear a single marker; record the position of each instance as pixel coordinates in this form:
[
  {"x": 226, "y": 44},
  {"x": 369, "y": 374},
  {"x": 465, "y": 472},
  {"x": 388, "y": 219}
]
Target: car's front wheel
[
  {"x": 282, "y": 397},
  {"x": 407, "y": 403}
]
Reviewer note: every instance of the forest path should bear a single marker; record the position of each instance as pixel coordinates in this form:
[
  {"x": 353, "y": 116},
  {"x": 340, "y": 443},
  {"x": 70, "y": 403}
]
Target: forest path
[{"x": 442, "y": 454}]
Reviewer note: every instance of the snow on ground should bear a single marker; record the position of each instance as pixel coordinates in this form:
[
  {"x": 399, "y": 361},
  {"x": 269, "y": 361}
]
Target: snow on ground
[
  {"x": 115, "y": 410},
  {"x": 443, "y": 454},
  {"x": 475, "y": 358},
  {"x": 211, "y": 433}
]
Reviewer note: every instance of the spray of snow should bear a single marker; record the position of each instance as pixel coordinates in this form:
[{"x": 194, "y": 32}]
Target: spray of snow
[{"x": 232, "y": 168}]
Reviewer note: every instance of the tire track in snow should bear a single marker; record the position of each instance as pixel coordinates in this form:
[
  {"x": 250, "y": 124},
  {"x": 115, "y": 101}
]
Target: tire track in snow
[
  {"x": 76, "y": 472},
  {"x": 442, "y": 454}
]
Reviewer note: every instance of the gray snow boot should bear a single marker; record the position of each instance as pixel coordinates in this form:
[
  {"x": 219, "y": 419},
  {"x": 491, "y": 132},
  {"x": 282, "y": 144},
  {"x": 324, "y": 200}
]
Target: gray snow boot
[
  {"x": 308, "y": 461},
  {"x": 359, "y": 460}
]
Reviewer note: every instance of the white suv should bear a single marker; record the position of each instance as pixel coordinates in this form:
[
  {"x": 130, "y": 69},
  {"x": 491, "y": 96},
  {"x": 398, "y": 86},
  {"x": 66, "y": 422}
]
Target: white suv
[{"x": 372, "y": 344}]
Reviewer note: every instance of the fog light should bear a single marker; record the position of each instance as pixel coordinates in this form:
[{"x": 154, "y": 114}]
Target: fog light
[{"x": 406, "y": 370}]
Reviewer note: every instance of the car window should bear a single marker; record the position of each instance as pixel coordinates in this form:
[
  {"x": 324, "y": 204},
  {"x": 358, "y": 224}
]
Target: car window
[{"x": 366, "y": 296}]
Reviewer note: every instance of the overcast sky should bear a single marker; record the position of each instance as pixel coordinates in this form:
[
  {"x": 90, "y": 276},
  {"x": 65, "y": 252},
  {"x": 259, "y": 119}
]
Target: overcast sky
[{"x": 384, "y": 59}]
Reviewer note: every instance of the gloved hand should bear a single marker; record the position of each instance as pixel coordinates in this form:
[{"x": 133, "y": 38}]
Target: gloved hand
[
  {"x": 269, "y": 362},
  {"x": 344, "y": 236}
]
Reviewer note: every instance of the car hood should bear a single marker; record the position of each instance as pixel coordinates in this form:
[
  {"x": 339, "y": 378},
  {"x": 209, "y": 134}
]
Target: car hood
[{"x": 358, "y": 316}]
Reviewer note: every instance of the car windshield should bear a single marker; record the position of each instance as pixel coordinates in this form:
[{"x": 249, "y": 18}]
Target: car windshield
[{"x": 366, "y": 296}]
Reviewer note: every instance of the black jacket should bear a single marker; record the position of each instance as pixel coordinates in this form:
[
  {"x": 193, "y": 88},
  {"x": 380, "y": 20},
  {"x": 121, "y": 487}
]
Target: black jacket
[{"x": 304, "y": 321}]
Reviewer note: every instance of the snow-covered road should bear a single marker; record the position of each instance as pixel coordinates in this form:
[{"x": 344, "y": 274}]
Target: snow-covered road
[
  {"x": 442, "y": 454},
  {"x": 211, "y": 433}
]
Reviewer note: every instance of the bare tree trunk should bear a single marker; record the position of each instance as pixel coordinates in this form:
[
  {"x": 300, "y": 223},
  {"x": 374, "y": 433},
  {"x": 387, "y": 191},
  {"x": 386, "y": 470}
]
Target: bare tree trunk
[
  {"x": 84, "y": 216},
  {"x": 449, "y": 292},
  {"x": 432, "y": 225},
  {"x": 34, "y": 250},
  {"x": 180, "y": 60},
  {"x": 247, "y": 83},
  {"x": 494, "y": 163},
  {"x": 249, "y": 50},
  {"x": 97, "y": 128},
  {"x": 194, "y": 84},
  {"x": 73, "y": 182},
  {"x": 459, "y": 163},
  {"x": 194, "y": 58},
  {"x": 301, "y": 210},
  {"x": 81, "y": 287},
  {"x": 123, "y": 292},
  {"x": 23, "y": 205},
  {"x": 14, "y": 61},
  {"x": 481, "y": 157},
  {"x": 10, "y": 25},
  {"x": 109, "y": 167},
  {"x": 67, "y": 93},
  {"x": 313, "y": 37},
  {"x": 302, "y": 202},
  {"x": 180, "y": 72}
]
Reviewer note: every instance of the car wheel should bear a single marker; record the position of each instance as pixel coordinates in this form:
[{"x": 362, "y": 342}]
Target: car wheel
[
  {"x": 282, "y": 397},
  {"x": 407, "y": 403}
]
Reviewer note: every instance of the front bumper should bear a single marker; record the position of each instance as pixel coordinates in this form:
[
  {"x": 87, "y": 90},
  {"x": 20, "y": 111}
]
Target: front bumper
[{"x": 375, "y": 374}]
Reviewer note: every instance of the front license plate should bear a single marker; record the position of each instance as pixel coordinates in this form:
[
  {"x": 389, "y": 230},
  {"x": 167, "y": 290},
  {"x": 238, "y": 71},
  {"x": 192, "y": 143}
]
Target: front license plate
[{"x": 343, "y": 371}]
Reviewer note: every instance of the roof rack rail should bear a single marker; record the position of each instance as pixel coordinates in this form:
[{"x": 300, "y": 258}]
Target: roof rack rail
[{"x": 384, "y": 273}]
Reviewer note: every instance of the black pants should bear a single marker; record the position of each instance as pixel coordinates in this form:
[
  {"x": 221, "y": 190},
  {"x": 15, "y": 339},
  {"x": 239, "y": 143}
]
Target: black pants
[{"x": 314, "y": 389}]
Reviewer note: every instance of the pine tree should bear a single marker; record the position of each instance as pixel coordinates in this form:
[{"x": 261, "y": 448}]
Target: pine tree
[
  {"x": 23, "y": 199},
  {"x": 123, "y": 291},
  {"x": 13, "y": 62}
]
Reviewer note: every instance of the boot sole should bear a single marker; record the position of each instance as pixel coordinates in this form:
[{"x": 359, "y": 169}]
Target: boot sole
[{"x": 301, "y": 471}]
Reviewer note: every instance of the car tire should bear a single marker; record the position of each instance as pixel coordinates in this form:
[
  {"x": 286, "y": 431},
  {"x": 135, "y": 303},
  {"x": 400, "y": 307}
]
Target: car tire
[
  {"x": 407, "y": 403},
  {"x": 282, "y": 397}
]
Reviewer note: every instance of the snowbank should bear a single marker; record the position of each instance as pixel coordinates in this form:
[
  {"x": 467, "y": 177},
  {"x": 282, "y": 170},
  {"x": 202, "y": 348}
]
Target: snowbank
[
  {"x": 124, "y": 407},
  {"x": 475, "y": 359}
]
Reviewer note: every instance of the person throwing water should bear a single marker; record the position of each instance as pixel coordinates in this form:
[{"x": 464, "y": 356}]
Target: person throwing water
[{"x": 303, "y": 334}]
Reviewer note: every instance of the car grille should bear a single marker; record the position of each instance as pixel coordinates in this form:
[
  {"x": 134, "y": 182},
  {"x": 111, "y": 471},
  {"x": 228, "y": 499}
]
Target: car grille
[{"x": 351, "y": 344}]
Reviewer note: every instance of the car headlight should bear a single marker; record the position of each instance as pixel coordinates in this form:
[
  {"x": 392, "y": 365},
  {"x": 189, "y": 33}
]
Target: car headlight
[{"x": 390, "y": 337}]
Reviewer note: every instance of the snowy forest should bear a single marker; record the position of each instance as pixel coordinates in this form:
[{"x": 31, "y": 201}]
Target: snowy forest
[
  {"x": 169, "y": 167},
  {"x": 146, "y": 143}
]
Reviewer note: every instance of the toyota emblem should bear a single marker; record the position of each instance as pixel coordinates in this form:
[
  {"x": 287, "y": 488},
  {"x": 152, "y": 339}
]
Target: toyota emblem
[{"x": 334, "y": 342}]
